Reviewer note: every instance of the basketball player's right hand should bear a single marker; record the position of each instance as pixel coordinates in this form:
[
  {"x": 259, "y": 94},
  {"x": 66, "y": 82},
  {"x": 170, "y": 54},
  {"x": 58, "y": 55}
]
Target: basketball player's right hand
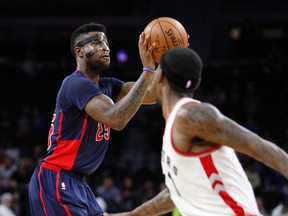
[{"x": 146, "y": 52}]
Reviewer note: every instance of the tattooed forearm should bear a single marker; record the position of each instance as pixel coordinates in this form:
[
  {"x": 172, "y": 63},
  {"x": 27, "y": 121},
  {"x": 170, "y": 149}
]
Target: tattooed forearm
[
  {"x": 159, "y": 205},
  {"x": 270, "y": 154},
  {"x": 134, "y": 98},
  {"x": 130, "y": 100}
]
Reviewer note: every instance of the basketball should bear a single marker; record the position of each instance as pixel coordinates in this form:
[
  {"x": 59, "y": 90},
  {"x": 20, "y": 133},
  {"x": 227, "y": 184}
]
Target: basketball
[{"x": 166, "y": 32}]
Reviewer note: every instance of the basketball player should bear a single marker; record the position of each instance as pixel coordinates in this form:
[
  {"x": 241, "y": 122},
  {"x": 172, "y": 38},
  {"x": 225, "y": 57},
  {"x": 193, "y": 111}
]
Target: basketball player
[
  {"x": 87, "y": 106},
  {"x": 202, "y": 172}
]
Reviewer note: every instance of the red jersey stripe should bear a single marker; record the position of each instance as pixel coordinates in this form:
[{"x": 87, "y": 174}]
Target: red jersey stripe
[
  {"x": 58, "y": 194},
  {"x": 210, "y": 169}
]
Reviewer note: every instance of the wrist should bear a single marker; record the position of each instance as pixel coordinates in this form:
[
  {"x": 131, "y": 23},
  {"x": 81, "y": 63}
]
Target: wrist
[{"x": 149, "y": 69}]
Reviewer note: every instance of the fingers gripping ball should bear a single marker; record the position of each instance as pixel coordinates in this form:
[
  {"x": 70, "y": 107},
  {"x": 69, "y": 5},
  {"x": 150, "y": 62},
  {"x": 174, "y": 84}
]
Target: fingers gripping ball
[{"x": 166, "y": 32}]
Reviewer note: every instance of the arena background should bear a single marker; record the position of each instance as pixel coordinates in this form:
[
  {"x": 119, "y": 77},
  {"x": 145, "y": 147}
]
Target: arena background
[{"x": 243, "y": 45}]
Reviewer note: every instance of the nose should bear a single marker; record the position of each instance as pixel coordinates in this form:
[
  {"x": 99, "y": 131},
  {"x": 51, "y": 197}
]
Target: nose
[{"x": 105, "y": 47}]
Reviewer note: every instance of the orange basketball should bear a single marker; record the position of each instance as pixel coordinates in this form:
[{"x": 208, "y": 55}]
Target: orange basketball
[{"x": 166, "y": 32}]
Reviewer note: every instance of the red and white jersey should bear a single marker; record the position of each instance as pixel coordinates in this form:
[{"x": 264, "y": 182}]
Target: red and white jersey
[{"x": 207, "y": 183}]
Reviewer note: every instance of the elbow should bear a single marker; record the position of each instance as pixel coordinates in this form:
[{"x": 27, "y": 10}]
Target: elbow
[
  {"x": 118, "y": 128},
  {"x": 118, "y": 125}
]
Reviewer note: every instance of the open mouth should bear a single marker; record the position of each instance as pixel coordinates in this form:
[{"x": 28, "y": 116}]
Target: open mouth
[{"x": 106, "y": 57}]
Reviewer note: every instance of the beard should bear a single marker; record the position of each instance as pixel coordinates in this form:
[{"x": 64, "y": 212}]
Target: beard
[{"x": 98, "y": 66}]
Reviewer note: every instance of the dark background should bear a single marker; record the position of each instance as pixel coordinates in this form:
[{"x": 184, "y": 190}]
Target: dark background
[
  {"x": 243, "y": 45},
  {"x": 39, "y": 31}
]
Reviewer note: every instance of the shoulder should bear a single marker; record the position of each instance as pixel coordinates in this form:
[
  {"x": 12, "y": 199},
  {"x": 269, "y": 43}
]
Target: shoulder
[
  {"x": 198, "y": 110},
  {"x": 76, "y": 77},
  {"x": 77, "y": 87},
  {"x": 197, "y": 113}
]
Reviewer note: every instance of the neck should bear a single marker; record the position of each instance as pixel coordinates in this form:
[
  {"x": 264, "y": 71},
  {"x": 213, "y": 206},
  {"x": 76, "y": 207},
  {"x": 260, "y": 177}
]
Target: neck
[
  {"x": 89, "y": 74},
  {"x": 169, "y": 99}
]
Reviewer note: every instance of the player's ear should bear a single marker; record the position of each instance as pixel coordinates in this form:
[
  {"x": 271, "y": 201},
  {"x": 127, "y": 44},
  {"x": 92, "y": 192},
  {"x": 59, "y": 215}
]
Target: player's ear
[{"x": 79, "y": 52}]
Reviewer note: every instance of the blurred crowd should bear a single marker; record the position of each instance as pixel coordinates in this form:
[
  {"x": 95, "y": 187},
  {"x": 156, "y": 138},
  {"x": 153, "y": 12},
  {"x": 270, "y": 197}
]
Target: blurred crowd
[{"x": 252, "y": 91}]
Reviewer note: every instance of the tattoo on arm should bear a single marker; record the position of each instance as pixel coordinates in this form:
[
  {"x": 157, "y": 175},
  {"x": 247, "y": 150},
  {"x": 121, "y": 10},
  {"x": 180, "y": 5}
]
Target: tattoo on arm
[
  {"x": 217, "y": 128},
  {"x": 199, "y": 119},
  {"x": 160, "y": 204},
  {"x": 134, "y": 99}
]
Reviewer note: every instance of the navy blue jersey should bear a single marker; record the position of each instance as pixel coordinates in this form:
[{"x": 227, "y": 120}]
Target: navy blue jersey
[{"x": 76, "y": 142}]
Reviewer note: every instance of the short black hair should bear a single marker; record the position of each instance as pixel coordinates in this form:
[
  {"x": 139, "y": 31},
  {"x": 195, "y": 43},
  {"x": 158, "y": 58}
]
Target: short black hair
[
  {"x": 182, "y": 67},
  {"x": 84, "y": 29}
]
